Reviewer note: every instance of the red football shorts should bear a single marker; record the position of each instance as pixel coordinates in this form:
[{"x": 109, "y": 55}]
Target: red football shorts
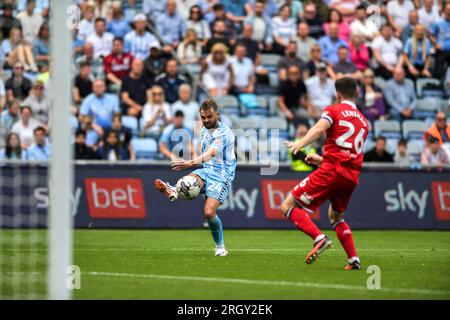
[{"x": 322, "y": 185}]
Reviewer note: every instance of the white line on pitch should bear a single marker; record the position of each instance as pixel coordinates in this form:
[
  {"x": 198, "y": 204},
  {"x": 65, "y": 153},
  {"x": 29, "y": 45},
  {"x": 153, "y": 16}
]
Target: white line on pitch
[
  {"x": 235, "y": 249},
  {"x": 266, "y": 282}
]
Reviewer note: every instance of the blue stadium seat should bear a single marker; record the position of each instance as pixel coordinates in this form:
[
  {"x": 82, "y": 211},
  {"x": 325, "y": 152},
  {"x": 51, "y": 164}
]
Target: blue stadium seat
[
  {"x": 145, "y": 148},
  {"x": 421, "y": 92},
  {"x": 131, "y": 123},
  {"x": 276, "y": 123},
  {"x": 414, "y": 129},
  {"x": 270, "y": 61},
  {"x": 261, "y": 110},
  {"x": 389, "y": 129},
  {"x": 229, "y": 103},
  {"x": 427, "y": 107},
  {"x": 414, "y": 148}
]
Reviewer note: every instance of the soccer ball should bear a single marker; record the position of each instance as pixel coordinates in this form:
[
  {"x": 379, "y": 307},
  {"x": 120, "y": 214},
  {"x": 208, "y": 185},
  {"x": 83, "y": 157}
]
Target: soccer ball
[{"x": 188, "y": 187}]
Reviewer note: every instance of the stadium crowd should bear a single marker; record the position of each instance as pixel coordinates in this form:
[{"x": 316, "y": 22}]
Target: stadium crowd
[{"x": 141, "y": 67}]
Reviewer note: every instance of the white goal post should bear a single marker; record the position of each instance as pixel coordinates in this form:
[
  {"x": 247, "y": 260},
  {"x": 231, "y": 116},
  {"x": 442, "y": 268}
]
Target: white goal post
[{"x": 60, "y": 219}]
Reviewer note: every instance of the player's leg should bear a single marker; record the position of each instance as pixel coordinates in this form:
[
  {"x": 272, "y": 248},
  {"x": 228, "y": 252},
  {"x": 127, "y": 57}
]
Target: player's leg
[
  {"x": 171, "y": 191},
  {"x": 300, "y": 217},
  {"x": 336, "y": 210},
  {"x": 215, "y": 225}
]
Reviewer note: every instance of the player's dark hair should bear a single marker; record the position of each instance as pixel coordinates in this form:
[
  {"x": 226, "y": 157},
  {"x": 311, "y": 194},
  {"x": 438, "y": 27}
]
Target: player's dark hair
[
  {"x": 209, "y": 104},
  {"x": 347, "y": 87}
]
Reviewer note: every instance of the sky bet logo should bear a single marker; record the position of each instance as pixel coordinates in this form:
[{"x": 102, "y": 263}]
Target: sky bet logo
[
  {"x": 115, "y": 198},
  {"x": 441, "y": 199}
]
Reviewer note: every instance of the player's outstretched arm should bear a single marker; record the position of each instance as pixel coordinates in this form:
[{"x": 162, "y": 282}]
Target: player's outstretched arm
[
  {"x": 313, "y": 134},
  {"x": 185, "y": 164}
]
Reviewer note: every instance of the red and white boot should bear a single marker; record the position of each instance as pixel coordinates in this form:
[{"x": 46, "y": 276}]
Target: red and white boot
[{"x": 166, "y": 189}]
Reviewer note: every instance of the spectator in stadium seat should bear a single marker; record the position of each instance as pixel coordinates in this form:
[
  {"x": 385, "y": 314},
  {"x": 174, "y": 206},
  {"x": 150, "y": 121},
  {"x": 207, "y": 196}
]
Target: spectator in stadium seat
[
  {"x": 93, "y": 131},
  {"x": 261, "y": 26},
  {"x": 155, "y": 63},
  {"x": 100, "y": 105},
  {"x": 243, "y": 71},
  {"x": 188, "y": 106},
  {"x": 39, "y": 102},
  {"x": 198, "y": 24},
  {"x": 152, "y": 8},
  {"x": 304, "y": 42},
  {"x": 134, "y": 87},
  {"x": 16, "y": 49},
  {"x": 13, "y": 149},
  {"x": 97, "y": 68},
  {"x": 41, "y": 48},
  {"x": 428, "y": 14},
  {"x": 362, "y": 26},
  {"x": 252, "y": 49},
  {"x": 236, "y": 10},
  {"x": 440, "y": 129},
  {"x": 434, "y": 154},
  {"x": 110, "y": 149},
  {"x": 30, "y": 21},
  {"x": 283, "y": 30},
  {"x": 387, "y": 51},
  {"x": 156, "y": 113},
  {"x": 41, "y": 149},
  {"x": 440, "y": 38},
  {"x": 7, "y": 20},
  {"x": 331, "y": 43},
  {"x": 322, "y": 8},
  {"x": 17, "y": 86},
  {"x": 219, "y": 36},
  {"x": 207, "y": 9},
  {"x": 25, "y": 126},
  {"x": 297, "y": 163},
  {"x": 401, "y": 156},
  {"x": 413, "y": 19},
  {"x": 416, "y": 54},
  {"x": 86, "y": 26},
  {"x": 290, "y": 58},
  {"x": 313, "y": 19},
  {"x": 400, "y": 96},
  {"x": 2, "y": 95},
  {"x": 316, "y": 60},
  {"x": 378, "y": 153},
  {"x": 371, "y": 101},
  {"x": 344, "y": 67},
  {"x": 82, "y": 84},
  {"x": 118, "y": 26},
  {"x": 334, "y": 16},
  {"x": 171, "y": 26},
  {"x": 346, "y": 8},
  {"x": 124, "y": 135},
  {"x": 189, "y": 51},
  {"x": 359, "y": 53},
  {"x": 398, "y": 11},
  {"x": 216, "y": 73},
  {"x": 42, "y": 7},
  {"x": 139, "y": 40},
  {"x": 176, "y": 139},
  {"x": 184, "y": 8},
  {"x": 229, "y": 30},
  {"x": 320, "y": 89},
  {"x": 81, "y": 150},
  {"x": 293, "y": 98},
  {"x": 10, "y": 115},
  {"x": 171, "y": 80},
  {"x": 117, "y": 65},
  {"x": 101, "y": 40}
]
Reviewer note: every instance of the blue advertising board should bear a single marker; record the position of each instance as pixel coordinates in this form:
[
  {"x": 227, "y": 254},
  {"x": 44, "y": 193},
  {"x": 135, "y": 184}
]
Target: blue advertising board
[{"x": 123, "y": 196}]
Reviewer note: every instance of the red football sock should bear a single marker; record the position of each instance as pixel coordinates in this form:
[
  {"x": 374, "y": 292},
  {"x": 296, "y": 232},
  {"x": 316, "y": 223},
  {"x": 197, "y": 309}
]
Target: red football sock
[
  {"x": 304, "y": 223},
  {"x": 344, "y": 234}
]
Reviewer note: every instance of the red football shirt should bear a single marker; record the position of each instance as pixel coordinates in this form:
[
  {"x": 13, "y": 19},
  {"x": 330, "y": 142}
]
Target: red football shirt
[
  {"x": 118, "y": 65},
  {"x": 345, "y": 139}
]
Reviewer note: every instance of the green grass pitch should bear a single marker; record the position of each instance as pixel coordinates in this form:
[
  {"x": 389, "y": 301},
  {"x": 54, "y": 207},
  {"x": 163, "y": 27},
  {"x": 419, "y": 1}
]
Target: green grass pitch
[{"x": 263, "y": 264}]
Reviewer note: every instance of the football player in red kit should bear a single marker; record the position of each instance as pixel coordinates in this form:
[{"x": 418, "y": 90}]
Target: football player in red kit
[{"x": 337, "y": 176}]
